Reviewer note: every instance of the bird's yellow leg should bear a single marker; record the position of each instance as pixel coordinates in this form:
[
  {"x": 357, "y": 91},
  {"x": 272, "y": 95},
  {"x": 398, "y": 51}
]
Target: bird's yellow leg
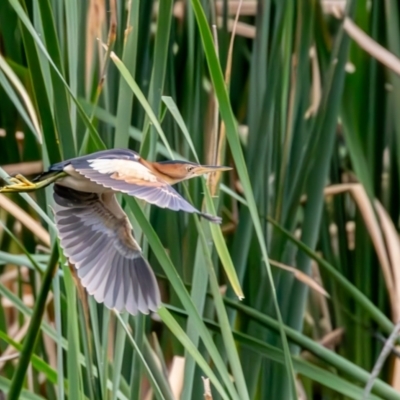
[
  {"x": 18, "y": 184},
  {"x": 23, "y": 181},
  {"x": 21, "y": 184}
]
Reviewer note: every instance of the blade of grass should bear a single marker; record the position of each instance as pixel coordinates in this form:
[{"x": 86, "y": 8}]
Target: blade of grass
[
  {"x": 181, "y": 291},
  {"x": 31, "y": 202},
  {"x": 34, "y": 328},
  {"x": 218, "y": 238},
  {"x": 192, "y": 349},
  {"x": 136, "y": 362},
  {"x": 37, "y": 362},
  {"x": 5, "y": 385},
  {"x": 229, "y": 343},
  {"x": 347, "y": 368},
  {"x": 142, "y": 99},
  {"x": 32, "y": 120},
  {"x": 61, "y": 106},
  {"x": 302, "y": 367},
  {"x": 158, "y": 373},
  {"x": 161, "y": 51},
  {"x": 118, "y": 355},
  {"x": 125, "y": 95},
  {"x": 153, "y": 381},
  {"x": 57, "y": 310},
  {"x": 50, "y": 331},
  {"x": 135, "y": 134},
  {"x": 72, "y": 39},
  {"x": 173, "y": 109},
  {"x": 97, "y": 346},
  {"x": 231, "y": 132},
  {"x": 36, "y": 39},
  {"x": 198, "y": 294},
  {"x": 74, "y": 374},
  {"x": 380, "y": 318}
]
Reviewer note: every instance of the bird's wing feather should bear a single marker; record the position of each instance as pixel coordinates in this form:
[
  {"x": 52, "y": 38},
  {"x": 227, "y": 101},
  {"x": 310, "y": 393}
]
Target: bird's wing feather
[
  {"x": 133, "y": 178},
  {"x": 108, "y": 259},
  {"x": 111, "y": 154}
]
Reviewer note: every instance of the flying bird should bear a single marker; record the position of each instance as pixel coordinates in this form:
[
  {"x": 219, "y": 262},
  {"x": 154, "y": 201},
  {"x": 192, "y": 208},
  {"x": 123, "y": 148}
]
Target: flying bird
[{"x": 94, "y": 231}]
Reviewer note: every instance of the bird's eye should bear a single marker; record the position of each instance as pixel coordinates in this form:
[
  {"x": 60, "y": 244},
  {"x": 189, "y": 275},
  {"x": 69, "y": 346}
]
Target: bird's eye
[{"x": 190, "y": 168}]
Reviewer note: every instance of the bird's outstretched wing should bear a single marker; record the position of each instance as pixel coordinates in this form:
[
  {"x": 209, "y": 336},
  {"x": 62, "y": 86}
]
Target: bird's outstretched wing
[
  {"x": 100, "y": 243},
  {"x": 131, "y": 177}
]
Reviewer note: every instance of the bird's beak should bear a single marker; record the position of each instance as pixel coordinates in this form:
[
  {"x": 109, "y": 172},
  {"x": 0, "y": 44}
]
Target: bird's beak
[{"x": 206, "y": 169}]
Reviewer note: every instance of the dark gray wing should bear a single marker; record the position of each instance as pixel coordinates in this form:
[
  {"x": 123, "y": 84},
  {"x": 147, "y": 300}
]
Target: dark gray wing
[
  {"x": 107, "y": 257},
  {"x": 131, "y": 177}
]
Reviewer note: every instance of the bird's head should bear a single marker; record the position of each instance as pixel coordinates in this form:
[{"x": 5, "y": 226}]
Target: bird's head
[{"x": 177, "y": 171}]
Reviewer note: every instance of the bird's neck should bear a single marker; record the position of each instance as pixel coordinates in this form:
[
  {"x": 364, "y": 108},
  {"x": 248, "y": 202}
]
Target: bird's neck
[{"x": 153, "y": 167}]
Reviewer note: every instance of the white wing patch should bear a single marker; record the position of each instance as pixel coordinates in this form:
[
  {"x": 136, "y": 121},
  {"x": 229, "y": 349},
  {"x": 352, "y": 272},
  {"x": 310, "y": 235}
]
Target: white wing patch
[{"x": 124, "y": 167}]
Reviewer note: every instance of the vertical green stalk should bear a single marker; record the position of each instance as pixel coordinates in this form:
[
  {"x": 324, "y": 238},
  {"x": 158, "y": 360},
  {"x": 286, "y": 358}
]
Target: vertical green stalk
[
  {"x": 198, "y": 294},
  {"x": 231, "y": 130},
  {"x": 57, "y": 310},
  {"x": 119, "y": 347},
  {"x": 136, "y": 362},
  {"x": 161, "y": 51},
  {"x": 125, "y": 94},
  {"x": 74, "y": 373},
  {"x": 18, "y": 378},
  {"x": 61, "y": 106},
  {"x": 325, "y": 130}
]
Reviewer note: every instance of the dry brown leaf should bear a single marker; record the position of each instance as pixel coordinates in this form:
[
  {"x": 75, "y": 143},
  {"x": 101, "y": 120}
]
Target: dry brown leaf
[
  {"x": 392, "y": 242},
  {"x": 373, "y": 48},
  {"x": 22, "y": 216},
  {"x": 332, "y": 338},
  {"x": 176, "y": 376},
  {"x": 316, "y": 84},
  {"x": 247, "y": 8},
  {"x": 379, "y": 363},
  {"x": 360, "y": 197},
  {"x": 220, "y": 137},
  {"x": 387, "y": 247},
  {"x": 393, "y": 248},
  {"x": 207, "y": 388},
  {"x": 301, "y": 276},
  {"x": 325, "y": 322},
  {"x": 17, "y": 337},
  {"x": 13, "y": 274},
  {"x": 50, "y": 348},
  {"x": 331, "y": 6},
  {"x": 242, "y": 29},
  {"x": 24, "y": 168},
  {"x": 95, "y": 19},
  {"x": 9, "y": 357}
]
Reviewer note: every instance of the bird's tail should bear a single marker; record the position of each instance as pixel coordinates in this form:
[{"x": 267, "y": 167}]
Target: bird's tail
[{"x": 212, "y": 218}]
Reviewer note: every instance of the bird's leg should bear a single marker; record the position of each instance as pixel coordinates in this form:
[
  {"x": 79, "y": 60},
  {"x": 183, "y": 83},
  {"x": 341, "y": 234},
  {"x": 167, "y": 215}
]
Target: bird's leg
[
  {"x": 20, "y": 179},
  {"x": 18, "y": 184},
  {"x": 21, "y": 184}
]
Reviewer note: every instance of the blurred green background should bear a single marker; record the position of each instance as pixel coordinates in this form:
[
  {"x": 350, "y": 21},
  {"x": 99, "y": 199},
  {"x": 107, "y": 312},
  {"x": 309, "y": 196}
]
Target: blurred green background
[{"x": 301, "y": 100}]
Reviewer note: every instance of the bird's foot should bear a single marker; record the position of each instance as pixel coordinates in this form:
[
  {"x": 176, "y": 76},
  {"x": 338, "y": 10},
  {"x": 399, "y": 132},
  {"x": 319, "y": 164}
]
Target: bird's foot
[{"x": 18, "y": 184}]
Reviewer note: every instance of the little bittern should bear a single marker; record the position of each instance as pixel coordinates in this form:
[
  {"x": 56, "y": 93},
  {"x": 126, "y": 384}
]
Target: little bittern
[{"x": 95, "y": 232}]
